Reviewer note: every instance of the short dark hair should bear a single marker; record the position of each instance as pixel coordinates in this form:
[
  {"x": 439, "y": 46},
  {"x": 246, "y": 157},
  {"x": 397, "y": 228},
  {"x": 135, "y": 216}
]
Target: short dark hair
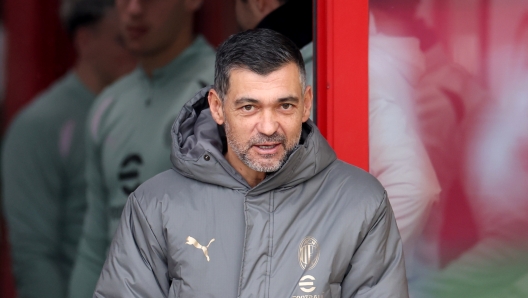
[
  {"x": 80, "y": 13},
  {"x": 262, "y": 51}
]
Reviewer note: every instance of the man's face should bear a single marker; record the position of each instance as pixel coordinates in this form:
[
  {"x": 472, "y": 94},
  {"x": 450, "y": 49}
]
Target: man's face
[
  {"x": 151, "y": 26},
  {"x": 106, "y": 51},
  {"x": 263, "y": 115}
]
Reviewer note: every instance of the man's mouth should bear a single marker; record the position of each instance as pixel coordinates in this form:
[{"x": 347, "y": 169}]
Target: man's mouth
[
  {"x": 267, "y": 146},
  {"x": 267, "y": 149}
]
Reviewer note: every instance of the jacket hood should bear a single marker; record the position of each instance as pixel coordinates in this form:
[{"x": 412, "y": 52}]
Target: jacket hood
[{"x": 198, "y": 146}]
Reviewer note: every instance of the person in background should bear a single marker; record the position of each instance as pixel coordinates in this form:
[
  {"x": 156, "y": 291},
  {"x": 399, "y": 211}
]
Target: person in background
[
  {"x": 43, "y": 155},
  {"x": 495, "y": 174},
  {"x": 128, "y": 133},
  {"x": 445, "y": 95},
  {"x": 397, "y": 155}
]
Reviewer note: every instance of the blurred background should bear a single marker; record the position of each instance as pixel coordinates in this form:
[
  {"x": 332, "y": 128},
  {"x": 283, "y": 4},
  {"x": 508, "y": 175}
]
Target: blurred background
[
  {"x": 470, "y": 108},
  {"x": 35, "y": 50}
]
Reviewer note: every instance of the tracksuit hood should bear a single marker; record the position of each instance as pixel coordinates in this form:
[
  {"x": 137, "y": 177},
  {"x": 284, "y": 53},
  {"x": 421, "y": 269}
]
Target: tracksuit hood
[{"x": 199, "y": 145}]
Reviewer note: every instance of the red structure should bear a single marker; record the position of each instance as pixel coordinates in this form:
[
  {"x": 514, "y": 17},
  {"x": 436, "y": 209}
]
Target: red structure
[{"x": 342, "y": 77}]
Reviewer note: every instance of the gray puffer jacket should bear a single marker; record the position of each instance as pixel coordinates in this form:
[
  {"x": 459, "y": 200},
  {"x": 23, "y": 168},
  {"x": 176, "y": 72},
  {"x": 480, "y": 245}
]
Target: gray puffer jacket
[{"x": 316, "y": 228}]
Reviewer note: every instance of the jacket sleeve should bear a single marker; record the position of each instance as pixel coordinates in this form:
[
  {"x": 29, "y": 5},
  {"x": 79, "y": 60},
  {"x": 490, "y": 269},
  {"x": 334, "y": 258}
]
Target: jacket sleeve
[
  {"x": 94, "y": 241},
  {"x": 136, "y": 265},
  {"x": 32, "y": 178},
  {"x": 377, "y": 267}
]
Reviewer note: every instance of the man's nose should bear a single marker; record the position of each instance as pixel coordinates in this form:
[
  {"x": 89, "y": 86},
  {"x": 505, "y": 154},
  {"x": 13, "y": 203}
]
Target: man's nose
[{"x": 268, "y": 124}]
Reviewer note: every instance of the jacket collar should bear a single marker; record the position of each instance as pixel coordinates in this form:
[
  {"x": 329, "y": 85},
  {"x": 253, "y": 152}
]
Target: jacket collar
[
  {"x": 80, "y": 87},
  {"x": 167, "y": 73}
]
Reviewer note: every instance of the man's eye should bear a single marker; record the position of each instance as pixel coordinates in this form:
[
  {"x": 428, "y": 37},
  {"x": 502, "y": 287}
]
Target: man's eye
[
  {"x": 286, "y": 106},
  {"x": 247, "y": 108}
]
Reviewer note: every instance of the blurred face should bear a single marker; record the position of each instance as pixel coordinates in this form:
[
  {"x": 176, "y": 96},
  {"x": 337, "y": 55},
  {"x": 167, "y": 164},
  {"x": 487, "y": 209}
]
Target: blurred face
[
  {"x": 106, "y": 52},
  {"x": 150, "y": 27},
  {"x": 246, "y": 17},
  {"x": 262, "y": 116},
  {"x": 249, "y": 13}
]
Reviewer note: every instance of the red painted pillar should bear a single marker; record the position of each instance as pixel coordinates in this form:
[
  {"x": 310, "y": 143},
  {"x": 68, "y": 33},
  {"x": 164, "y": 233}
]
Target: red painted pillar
[{"x": 342, "y": 77}]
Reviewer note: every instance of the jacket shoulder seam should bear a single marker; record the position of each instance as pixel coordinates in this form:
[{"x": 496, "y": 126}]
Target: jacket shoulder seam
[{"x": 136, "y": 202}]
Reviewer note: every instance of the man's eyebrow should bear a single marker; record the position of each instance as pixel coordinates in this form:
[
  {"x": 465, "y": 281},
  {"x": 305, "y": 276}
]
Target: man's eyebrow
[
  {"x": 291, "y": 99},
  {"x": 248, "y": 100},
  {"x": 244, "y": 100}
]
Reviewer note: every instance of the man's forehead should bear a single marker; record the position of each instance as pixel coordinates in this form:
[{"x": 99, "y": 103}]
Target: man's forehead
[
  {"x": 286, "y": 77},
  {"x": 245, "y": 68}
]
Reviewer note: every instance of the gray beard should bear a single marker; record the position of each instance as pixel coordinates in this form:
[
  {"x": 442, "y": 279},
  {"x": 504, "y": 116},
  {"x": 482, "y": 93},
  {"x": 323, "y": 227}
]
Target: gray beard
[{"x": 241, "y": 151}]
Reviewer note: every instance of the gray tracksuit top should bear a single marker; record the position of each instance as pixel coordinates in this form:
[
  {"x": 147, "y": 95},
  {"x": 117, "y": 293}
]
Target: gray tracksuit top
[{"x": 316, "y": 228}]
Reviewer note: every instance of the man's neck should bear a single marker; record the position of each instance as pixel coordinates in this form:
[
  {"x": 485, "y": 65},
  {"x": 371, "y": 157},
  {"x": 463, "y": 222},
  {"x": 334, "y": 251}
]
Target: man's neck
[
  {"x": 89, "y": 77},
  {"x": 252, "y": 177},
  {"x": 158, "y": 60}
]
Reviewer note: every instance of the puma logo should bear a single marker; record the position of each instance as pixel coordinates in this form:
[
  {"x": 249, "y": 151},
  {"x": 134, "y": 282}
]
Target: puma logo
[{"x": 192, "y": 241}]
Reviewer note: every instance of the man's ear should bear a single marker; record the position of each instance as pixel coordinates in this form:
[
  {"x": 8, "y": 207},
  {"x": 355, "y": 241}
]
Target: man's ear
[
  {"x": 308, "y": 101},
  {"x": 215, "y": 104}
]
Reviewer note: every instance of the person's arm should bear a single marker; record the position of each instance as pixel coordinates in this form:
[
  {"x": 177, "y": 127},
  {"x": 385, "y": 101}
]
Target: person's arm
[
  {"x": 136, "y": 265},
  {"x": 32, "y": 183},
  {"x": 94, "y": 242},
  {"x": 399, "y": 160},
  {"x": 377, "y": 267},
  {"x": 397, "y": 156}
]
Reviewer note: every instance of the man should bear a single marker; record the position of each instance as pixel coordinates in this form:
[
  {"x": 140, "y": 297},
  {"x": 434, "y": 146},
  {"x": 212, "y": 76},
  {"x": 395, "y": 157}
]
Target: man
[
  {"x": 43, "y": 156},
  {"x": 128, "y": 139},
  {"x": 256, "y": 205},
  {"x": 397, "y": 156}
]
